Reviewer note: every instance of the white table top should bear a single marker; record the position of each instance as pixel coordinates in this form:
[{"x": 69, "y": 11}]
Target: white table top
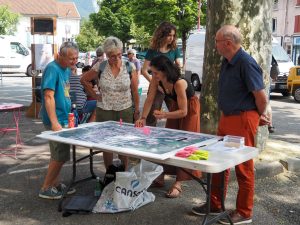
[{"x": 218, "y": 161}]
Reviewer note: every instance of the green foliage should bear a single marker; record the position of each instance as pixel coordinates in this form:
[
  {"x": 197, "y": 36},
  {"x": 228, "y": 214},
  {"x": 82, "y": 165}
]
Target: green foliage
[
  {"x": 140, "y": 35},
  {"x": 203, "y": 12},
  {"x": 88, "y": 39},
  {"x": 8, "y": 21},
  {"x": 113, "y": 19},
  {"x": 182, "y": 13}
]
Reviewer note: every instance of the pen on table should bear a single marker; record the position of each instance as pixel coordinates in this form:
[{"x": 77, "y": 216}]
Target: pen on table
[{"x": 181, "y": 139}]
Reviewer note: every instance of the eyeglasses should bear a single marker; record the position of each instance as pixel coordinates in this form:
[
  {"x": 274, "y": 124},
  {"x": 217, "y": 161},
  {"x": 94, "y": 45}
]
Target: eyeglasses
[
  {"x": 216, "y": 41},
  {"x": 119, "y": 55}
]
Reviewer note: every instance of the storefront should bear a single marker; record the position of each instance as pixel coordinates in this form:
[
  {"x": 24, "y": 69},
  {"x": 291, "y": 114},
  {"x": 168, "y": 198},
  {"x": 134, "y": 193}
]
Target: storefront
[{"x": 296, "y": 50}]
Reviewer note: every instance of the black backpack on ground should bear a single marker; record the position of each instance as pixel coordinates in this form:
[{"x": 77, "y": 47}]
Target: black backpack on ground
[{"x": 110, "y": 174}]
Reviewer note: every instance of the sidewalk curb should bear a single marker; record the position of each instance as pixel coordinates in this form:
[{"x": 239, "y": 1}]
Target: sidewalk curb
[
  {"x": 268, "y": 169},
  {"x": 291, "y": 164}
]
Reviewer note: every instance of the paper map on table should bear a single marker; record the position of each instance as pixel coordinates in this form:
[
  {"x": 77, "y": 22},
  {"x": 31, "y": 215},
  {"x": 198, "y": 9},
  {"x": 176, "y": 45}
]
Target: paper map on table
[{"x": 113, "y": 136}]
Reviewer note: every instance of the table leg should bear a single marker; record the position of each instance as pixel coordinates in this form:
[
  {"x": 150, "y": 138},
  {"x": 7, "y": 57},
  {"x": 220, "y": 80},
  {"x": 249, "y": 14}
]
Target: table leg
[
  {"x": 212, "y": 220},
  {"x": 17, "y": 116},
  {"x": 223, "y": 198},
  {"x": 208, "y": 194},
  {"x": 73, "y": 181}
]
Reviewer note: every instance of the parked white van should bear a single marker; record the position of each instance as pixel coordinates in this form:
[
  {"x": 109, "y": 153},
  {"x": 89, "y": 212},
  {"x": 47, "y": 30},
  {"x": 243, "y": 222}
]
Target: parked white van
[
  {"x": 279, "y": 83},
  {"x": 194, "y": 56},
  {"x": 15, "y": 57}
]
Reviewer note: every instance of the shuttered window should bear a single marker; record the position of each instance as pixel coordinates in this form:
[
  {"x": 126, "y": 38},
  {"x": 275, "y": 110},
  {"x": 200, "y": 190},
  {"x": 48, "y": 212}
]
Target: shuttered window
[{"x": 297, "y": 24}]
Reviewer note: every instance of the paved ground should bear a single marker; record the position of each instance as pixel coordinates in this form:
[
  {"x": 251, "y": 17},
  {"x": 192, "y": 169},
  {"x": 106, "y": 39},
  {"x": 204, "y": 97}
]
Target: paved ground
[{"x": 276, "y": 201}]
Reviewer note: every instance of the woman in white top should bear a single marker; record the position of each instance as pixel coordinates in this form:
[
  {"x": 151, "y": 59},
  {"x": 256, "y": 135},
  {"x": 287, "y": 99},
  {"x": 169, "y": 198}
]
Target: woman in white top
[{"x": 118, "y": 86}]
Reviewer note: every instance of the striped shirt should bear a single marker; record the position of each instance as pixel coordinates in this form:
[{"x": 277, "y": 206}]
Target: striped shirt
[{"x": 78, "y": 95}]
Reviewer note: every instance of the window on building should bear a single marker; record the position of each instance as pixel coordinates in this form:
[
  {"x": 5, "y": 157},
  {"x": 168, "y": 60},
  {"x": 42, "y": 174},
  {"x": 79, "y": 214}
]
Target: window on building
[
  {"x": 297, "y": 24},
  {"x": 289, "y": 50},
  {"x": 274, "y": 25},
  {"x": 275, "y": 4}
]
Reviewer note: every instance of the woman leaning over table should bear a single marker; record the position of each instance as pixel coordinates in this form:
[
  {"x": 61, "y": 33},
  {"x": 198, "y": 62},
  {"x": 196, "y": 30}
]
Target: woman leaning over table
[
  {"x": 184, "y": 111},
  {"x": 118, "y": 88}
]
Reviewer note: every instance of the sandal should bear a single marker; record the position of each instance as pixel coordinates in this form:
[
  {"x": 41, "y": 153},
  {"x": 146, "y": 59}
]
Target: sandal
[{"x": 174, "y": 191}]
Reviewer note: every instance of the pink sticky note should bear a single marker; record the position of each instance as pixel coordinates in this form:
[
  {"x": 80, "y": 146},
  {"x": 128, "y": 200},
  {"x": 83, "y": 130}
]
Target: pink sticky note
[
  {"x": 146, "y": 130},
  {"x": 190, "y": 149}
]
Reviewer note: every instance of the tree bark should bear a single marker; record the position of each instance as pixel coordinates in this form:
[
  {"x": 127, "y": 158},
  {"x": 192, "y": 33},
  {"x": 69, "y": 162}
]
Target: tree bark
[{"x": 253, "y": 17}]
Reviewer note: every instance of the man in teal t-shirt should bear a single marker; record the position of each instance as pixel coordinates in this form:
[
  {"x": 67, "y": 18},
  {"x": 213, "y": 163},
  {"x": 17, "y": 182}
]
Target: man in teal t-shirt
[
  {"x": 56, "y": 105},
  {"x": 56, "y": 78}
]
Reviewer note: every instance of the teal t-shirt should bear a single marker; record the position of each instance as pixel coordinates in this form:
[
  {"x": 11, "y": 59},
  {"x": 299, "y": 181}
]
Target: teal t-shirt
[
  {"x": 172, "y": 54},
  {"x": 56, "y": 78}
]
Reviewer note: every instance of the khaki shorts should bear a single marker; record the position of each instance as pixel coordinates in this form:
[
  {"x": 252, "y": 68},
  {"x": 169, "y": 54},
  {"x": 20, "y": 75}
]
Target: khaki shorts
[
  {"x": 59, "y": 151},
  {"x": 105, "y": 115}
]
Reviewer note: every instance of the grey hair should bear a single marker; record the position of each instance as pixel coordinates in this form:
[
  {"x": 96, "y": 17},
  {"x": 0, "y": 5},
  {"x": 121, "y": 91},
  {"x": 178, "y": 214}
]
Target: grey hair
[
  {"x": 112, "y": 44},
  {"x": 231, "y": 32},
  {"x": 66, "y": 45},
  {"x": 99, "y": 51}
]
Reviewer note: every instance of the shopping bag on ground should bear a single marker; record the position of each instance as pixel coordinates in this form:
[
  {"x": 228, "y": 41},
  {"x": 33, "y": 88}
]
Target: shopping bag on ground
[{"x": 129, "y": 191}]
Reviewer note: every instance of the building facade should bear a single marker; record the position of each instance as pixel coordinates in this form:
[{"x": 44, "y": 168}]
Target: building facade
[
  {"x": 66, "y": 15},
  {"x": 286, "y": 26}
]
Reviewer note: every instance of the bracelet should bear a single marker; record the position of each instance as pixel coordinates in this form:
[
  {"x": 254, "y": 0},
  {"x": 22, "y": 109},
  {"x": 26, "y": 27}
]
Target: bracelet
[
  {"x": 137, "y": 112},
  {"x": 143, "y": 118}
]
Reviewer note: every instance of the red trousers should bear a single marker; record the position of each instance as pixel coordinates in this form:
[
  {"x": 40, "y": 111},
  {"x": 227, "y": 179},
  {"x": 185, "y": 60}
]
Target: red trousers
[{"x": 244, "y": 125}]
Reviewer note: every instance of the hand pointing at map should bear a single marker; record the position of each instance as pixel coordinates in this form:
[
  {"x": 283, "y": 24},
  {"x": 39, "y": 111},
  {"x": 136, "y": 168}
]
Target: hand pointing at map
[{"x": 140, "y": 122}]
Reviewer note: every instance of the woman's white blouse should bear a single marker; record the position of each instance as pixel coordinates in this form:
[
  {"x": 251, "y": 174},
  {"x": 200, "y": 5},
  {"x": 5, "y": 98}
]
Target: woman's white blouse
[{"x": 116, "y": 91}]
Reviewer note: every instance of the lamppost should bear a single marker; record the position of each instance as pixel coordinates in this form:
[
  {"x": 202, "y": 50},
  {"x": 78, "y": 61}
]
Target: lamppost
[{"x": 67, "y": 26}]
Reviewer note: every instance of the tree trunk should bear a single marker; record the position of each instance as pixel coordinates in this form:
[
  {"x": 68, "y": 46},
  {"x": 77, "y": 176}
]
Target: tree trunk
[
  {"x": 253, "y": 17},
  {"x": 184, "y": 39}
]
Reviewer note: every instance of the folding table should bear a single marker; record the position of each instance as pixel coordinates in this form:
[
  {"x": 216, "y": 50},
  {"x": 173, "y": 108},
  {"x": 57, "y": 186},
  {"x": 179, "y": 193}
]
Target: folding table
[{"x": 159, "y": 146}]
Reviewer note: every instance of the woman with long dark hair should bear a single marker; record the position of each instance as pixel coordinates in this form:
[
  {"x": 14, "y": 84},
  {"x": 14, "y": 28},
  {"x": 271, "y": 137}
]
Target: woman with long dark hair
[{"x": 184, "y": 111}]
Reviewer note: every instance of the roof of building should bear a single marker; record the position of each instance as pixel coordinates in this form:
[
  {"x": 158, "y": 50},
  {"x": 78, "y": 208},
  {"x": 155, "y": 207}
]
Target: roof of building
[
  {"x": 67, "y": 9},
  {"x": 42, "y": 8}
]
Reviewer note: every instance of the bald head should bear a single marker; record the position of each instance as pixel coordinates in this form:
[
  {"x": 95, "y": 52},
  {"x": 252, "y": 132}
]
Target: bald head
[{"x": 231, "y": 32}]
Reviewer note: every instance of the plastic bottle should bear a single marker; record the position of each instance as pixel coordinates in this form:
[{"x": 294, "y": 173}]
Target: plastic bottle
[
  {"x": 98, "y": 190},
  {"x": 76, "y": 116}
]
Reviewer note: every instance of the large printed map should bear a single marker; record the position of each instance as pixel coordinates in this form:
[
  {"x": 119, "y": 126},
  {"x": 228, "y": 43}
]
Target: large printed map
[{"x": 126, "y": 136}]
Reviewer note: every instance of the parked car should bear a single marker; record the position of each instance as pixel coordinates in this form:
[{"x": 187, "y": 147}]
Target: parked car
[
  {"x": 89, "y": 57},
  {"x": 279, "y": 83},
  {"x": 81, "y": 60}
]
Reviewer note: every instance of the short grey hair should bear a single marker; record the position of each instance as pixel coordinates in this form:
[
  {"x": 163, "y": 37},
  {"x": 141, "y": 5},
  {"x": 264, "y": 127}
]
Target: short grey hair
[
  {"x": 66, "y": 45},
  {"x": 112, "y": 44},
  {"x": 231, "y": 32},
  {"x": 99, "y": 51}
]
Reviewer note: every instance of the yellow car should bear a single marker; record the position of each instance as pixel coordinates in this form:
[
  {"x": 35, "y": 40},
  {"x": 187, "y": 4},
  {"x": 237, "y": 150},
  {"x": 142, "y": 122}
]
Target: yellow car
[{"x": 293, "y": 82}]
